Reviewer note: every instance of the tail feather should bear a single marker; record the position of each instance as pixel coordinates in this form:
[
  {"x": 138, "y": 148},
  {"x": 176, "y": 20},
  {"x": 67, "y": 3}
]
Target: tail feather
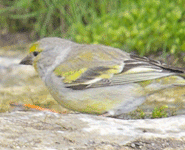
[{"x": 164, "y": 66}]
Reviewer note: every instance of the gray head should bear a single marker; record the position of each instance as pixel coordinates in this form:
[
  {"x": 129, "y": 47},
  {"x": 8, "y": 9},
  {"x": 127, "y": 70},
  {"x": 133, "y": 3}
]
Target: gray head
[{"x": 47, "y": 53}]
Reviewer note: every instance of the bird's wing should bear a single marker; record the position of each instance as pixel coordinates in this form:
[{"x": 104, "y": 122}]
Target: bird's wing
[{"x": 80, "y": 73}]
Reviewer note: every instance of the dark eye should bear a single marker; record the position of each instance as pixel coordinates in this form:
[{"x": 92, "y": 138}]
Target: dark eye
[{"x": 35, "y": 53}]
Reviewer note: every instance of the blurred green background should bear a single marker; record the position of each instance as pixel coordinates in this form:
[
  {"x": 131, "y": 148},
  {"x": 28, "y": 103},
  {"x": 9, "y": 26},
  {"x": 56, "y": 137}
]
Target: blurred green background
[{"x": 143, "y": 26}]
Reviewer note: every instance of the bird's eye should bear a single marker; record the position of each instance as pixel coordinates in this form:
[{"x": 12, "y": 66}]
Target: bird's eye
[{"x": 35, "y": 53}]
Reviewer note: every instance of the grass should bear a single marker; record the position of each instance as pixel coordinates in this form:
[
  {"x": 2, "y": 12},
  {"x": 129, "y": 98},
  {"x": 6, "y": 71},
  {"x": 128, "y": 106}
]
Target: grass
[{"x": 143, "y": 26}]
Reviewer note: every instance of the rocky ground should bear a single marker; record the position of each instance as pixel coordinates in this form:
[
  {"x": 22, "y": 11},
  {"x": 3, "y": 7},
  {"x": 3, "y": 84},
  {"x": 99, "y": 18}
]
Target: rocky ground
[
  {"x": 22, "y": 129},
  {"x": 43, "y": 130}
]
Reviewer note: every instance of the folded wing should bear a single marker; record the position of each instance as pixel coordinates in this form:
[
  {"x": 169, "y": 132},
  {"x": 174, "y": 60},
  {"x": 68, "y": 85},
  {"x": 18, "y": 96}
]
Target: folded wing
[{"x": 109, "y": 73}]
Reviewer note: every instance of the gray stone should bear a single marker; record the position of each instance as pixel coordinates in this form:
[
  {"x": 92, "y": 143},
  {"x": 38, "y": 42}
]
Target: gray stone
[{"x": 43, "y": 130}]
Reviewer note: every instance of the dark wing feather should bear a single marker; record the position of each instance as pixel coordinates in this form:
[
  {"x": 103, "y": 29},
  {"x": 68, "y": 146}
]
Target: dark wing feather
[{"x": 131, "y": 68}]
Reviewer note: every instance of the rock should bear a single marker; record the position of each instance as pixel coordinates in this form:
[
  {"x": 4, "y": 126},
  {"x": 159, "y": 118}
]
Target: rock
[{"x": 43, "y": 130}]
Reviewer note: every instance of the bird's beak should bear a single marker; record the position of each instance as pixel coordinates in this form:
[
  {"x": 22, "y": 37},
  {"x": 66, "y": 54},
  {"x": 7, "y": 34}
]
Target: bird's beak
[{"x": 28, "y": 60}]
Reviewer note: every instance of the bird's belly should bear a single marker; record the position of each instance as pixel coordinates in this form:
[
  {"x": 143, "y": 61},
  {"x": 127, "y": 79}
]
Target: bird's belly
[{"x": 113, "y": 99}]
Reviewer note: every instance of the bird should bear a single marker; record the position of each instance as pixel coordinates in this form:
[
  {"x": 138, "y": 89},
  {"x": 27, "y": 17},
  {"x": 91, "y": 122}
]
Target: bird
[{"x": 97, "y": 79}]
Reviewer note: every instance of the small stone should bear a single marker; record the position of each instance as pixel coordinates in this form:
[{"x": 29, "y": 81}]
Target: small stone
[
  {"x": 133, "y": 145},
  {"x": 152, "y": 144}
]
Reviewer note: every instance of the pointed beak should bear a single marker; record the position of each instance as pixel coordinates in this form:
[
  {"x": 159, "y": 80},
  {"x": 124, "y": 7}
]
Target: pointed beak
[{"x": 28, "y": 60}]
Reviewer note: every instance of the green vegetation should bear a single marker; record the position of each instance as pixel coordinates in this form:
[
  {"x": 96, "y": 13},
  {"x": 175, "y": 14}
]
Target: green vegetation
[
  {"x": 157, "y": 112},
  {"x": 160, "y": 112},
  {"x": 140, "y": 25},
  {"x": 138, "y": 114}
]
